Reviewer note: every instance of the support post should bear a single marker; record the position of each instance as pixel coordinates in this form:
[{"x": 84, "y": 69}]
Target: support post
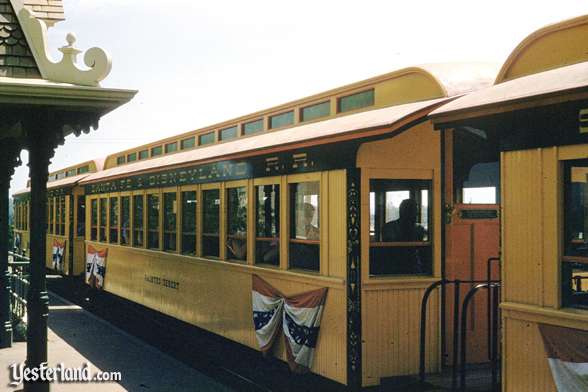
[
  {"x": 354, "y": 346},
  {"x": 41, "y": 142},
  {"x": 8, "y": 161}
]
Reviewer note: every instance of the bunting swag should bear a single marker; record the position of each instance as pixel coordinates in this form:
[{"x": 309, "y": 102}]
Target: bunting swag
[
  {"x": 267, "y": 309},
  {"x": 567, "y": 354},
  {"x": 57, "y": 254},
  {"x": 95, "y": 267},
  {"x": 300, "y": 317}
]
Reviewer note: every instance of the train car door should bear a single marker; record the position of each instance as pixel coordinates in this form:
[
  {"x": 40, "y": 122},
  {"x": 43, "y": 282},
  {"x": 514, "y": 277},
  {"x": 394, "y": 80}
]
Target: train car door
[{"x": 472, "y": 228}]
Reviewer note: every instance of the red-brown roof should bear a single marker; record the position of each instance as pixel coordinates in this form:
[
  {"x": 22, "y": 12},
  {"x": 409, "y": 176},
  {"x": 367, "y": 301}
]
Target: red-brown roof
[{"x": 532, "y": 89}]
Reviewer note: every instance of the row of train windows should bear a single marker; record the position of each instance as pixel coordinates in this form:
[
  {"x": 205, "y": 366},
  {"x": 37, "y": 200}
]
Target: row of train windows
[
  {"x": 56, "y": 215},
  {"x": 21, "y": 216},
  {"x": 154, "y": 221},
  {"x": 69, "y": 173},
  {"x": 308, "y": 113}
]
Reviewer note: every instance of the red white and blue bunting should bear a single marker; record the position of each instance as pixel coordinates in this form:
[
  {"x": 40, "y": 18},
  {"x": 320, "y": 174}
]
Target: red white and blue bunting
[
  {"x": 95, "y": 267},
  {"x": 299, "y": 316},
  {"x": 567, "y": 355}
]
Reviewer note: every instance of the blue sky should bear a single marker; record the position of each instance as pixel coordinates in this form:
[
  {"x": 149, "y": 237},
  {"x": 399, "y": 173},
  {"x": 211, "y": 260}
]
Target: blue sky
[{"x": 200, "y": 62}]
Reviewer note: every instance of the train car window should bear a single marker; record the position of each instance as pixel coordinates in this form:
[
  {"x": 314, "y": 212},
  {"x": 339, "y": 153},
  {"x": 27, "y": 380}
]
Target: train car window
[
  {"x": 575, "y": 247},
  {"x": 267, "y": 231},
  {"x": 355, "y": 101},
  {"x": 83, "y": 169},
  {"x": 171, "y": 147},
  {"x": 312, "y": 112},
  {"x": 253, "y": 127},
  {"x": 228, "y": 133},
  {"x": 169, "y": 221},
  {"x": 51, "y": 206},
  {"x": 155, "y": 151},
  {"x": 143, "y": 154},
  {"x": 63, "y": 215},
  {"x": 138, "y": 204},
  {"x": 81, "y": 229},
  {"x": 102, "y": 222},
  {"x": 400, "y": 230},
  {"x": 113, "y": 224},
  {"x": 26, "y": 216},
  {"x": 71, "y": 173},
  {"x": 120, "y": 160},
  {"x": 132, "y": 157},
  {"x": 304, "y": 249},
  {"x": 189, "y": 203},
  {"x": 207, "y": 138},
  {"x": 281, "y": 120},
  {"x": 210, "y": 222},
  {"x": 476, "y": 166},
  {"x": 237, "y": 223},
  {"x": 125, "y": 220},
  {"x": 188, "y": 143},
  {"x": 94, "y": 220},
  {"x": 153, "y": 221}
]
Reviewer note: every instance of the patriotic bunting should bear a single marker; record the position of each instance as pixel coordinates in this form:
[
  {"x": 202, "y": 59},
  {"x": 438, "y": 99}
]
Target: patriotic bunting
[
  {"x": 95, "y": 267},
  {"x": 299, "y": 317},
  {"x": 567, "y": 354},
  {"x": 57, "y": 253}
]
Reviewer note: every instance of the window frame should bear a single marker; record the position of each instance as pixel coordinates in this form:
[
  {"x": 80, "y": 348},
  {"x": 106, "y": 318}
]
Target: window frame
[
  {"x": 368, "y": 174},
  {"x": 176, "y": 191},
  {"x": 281, "y": 182},
  {"x": 287, "y": 220},
  {"x": 180, "y": 219},
  {"x": 206, "y": 187},
  {"x": 120, "y": 220},
  {"x": 143, "y": 217},
  {"x": 156, "y": 191},
  {"x": 225, "y": 216}
]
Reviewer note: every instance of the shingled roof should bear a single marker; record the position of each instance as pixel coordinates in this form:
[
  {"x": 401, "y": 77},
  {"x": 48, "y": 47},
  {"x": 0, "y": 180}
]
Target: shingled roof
[{"x": 16, "y": 59}]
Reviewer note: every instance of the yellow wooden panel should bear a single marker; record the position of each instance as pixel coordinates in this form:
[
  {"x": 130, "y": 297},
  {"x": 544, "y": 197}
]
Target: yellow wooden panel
[
  {"x": 79, "y": 260},
  {"x": 390, "y": 329},
  {"x": 416, "y": 148},
  {"x": 216, "y": 296},
  {"x": 523, "y": 227},
  {"x": 337, "y": 209},
  {"x": 552, "y": 226},
  {"x": 525, "y": 368}
]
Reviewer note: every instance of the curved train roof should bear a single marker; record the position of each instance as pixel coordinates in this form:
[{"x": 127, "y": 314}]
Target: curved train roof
[
  {"x": 547, "y": 67},
  {"x": 401, "y": 96}
]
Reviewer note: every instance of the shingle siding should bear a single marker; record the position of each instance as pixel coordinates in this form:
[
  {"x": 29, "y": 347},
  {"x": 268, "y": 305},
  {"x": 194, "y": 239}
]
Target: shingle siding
[{"x": 16, "y": 59}]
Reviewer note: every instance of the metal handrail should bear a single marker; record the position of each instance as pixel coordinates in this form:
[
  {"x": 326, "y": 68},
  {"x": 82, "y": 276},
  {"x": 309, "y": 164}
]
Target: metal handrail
[
  {"x": 456, "y": 323},
  {"x": 494, "y": 286}
]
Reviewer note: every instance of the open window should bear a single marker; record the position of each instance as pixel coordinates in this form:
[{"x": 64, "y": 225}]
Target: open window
[
  {"x": 400, "y": 227},
  {"x": 476, "y": 166},
  {"x": 575, "y": 247},
  {"x": 267, "y": 222},
  {"x": 304, "y": 249},
  {"x": 211, "y": 222},
  {"x": 236, "y": 240}
]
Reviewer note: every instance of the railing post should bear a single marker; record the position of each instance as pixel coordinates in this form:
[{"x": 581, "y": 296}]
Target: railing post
[
  {"x": 456, "y": 300},
  {"x": 8, "y": 161}
]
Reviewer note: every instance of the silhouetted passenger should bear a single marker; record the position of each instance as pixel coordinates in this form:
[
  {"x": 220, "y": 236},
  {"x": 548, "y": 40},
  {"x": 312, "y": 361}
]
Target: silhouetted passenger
[{"x": 405, "y": 228}]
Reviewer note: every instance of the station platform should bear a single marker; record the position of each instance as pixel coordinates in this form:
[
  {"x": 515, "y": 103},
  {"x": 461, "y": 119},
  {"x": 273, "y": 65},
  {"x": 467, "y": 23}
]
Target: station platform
[{"x": 77, "y": 337}]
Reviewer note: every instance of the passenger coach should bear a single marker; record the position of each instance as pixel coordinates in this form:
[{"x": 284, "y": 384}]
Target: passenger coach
[
  {"x": 537, "y": 110},
  {"x": 340, "y": 190},
  {"x": 66, "y": 216}
]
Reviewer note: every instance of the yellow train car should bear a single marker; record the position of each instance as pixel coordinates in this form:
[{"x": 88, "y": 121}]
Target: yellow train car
[
  {"x": 65, "y": 253},
  {"x": 340, "y": 190},
  {"x": 537, "y": 110}
]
